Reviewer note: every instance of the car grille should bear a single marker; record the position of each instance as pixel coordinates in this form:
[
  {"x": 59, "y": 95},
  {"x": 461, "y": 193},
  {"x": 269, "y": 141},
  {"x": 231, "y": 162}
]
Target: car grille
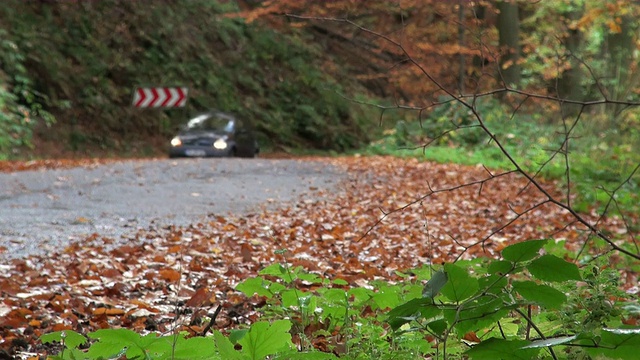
[{"x": 199, "y": 142}]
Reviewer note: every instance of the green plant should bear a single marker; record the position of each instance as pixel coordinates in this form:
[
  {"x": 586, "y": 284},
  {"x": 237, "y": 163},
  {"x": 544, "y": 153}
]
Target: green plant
[
  {"x": 21, "y": 105},
  {"x": 262, "y": 339},
  {"x": 519, "y": 308},
  {"x": 530, "y": 304}
]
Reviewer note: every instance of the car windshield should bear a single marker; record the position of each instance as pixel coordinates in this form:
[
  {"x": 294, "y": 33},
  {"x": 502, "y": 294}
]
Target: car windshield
[{"x": 216, "y": 122}]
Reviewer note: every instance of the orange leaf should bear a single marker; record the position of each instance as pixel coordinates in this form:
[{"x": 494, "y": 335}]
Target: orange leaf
[
  {"x": 169, "y": 275},
  {"x": 108, "y": 312}
]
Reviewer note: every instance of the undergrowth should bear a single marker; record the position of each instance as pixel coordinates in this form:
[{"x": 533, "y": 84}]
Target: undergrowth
[
  {"x": 529, "y": 304},
  {"x": 602, "y": 153}
]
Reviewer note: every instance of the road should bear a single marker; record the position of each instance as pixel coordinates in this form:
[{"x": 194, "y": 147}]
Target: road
[{"x": 43, "y": 211}]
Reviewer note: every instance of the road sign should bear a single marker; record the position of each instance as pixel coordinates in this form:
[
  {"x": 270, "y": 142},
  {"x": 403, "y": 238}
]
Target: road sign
[{"x": 160, "y": 97}]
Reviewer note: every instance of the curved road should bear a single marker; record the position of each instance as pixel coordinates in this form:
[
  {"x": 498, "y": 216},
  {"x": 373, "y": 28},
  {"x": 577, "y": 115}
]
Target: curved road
[{"x": 43, "y": 211}]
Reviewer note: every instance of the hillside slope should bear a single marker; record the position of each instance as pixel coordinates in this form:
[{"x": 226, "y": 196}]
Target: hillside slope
[{"x": 82, "y": 60}]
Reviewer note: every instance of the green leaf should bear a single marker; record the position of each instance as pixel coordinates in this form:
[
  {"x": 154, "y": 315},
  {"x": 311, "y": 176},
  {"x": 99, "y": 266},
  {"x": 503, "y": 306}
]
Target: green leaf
[
  {"x": 617, "y": 344},
  {"x": 159, "y": 346},
  {"x": 478, "y": 314},
  {"x": 407, "y": 312},
  {"x": 237, "y": 334},
  {"x": 225, "y": 347},
  {"x": 256, "y": 285},
  {"x": 553, "y": 268},
  {"x": 196, "y": 348},
  {"x": 434, "y": 285},
  {"x": 264, "y": 339},
  {"x": 312, "y": 278},
  {"x": 551, "y": 342},
  {"x": 290, "y": 298},
  {"x": 499, "y": 349},
  {"x": 340, "y": 282},
  {"x": 523, "y": 251},
  {"x": 460, "y": 285},
  {"x": 112, "y": 342},
  {"x": 70, "y": 338},
  {"x": 387, "y": 297},
  {"x": 500, "y": 267},
  {"x": 493, "y": 284},
  {"x": 543, "y": 295},
  {"x": 276, "y": 270},
  {"x": 360, "y": 295}
]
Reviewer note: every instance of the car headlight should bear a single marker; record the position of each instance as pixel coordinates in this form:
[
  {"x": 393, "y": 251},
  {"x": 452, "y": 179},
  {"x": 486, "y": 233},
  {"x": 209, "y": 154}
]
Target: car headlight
[
  {"x": 220, "y": 144},
  {"x": 176, "y": 141}
]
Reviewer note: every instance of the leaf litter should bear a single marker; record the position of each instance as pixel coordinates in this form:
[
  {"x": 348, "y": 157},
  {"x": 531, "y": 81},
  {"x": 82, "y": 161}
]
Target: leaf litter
[{"x": 380, "y": 221}]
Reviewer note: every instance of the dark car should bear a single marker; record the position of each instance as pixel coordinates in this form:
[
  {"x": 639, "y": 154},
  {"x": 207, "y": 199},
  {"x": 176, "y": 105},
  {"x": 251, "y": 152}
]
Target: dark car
[{"x": 214, "y": 133}]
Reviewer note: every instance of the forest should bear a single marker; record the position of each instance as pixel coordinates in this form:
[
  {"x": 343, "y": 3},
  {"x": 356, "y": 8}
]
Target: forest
[{"x": 501, "y": 218}]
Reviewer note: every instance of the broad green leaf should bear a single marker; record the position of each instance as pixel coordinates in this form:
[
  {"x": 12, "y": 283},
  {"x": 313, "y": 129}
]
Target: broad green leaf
[
  {"x": 237, "y": 334},
  {"x": 340, "y": 282},
  {"x": 493, "y": 284},
  {"x": 500, "y": 267},
  {"x": 337, "y": 296},
  {"x": 617, "y": 344},
  {"x": 360, "y": 295},
  {"x": 434, "y": 285},
  {"x": 70, "y": 338},
  {"x": 225, "y": 347},
  {"x": 438, "y": 326},
  {"x": 477, "y": 315},
  {"x": 264, "y": 339},
  {"x": 508, "y": 328},
  {"x": 292, "y": 298},
  {"x": 523, "y": 251},
  {"x": 163, "y": 346},
  {"x": 409, "y": 311},
  {"x": 551, "y": 342},
  {"x": 196, "y": 348},
  {"x": 255, "y": 285},
  {"x": 387, "y": 297},
  {"x": 276, "y": 270},
  {"x": 499, "y": 349},
  {"x": 553, "y": 268},
  {"x": 460, "y": 285},
  {"x": 312, "y": 278},
  {"x": 543, "y": 295},
  {"x": 112, "y": 342}
]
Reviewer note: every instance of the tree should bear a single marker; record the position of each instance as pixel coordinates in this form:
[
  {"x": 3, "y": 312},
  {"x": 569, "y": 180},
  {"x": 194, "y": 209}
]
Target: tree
[{"x": 508, "y": 25}]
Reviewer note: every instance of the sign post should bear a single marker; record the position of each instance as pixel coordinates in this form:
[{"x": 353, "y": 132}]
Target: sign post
[
  {"x": 160, "y": 97},
  {"x": 155, "y": 97}
]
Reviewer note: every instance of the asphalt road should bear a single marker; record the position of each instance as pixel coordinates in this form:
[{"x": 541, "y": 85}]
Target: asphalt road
[{"x": 43, "y": 211}]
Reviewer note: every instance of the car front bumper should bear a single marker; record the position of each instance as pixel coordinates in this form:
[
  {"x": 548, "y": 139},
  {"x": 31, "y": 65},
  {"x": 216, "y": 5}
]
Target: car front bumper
[{"x": 197, "y": 151}]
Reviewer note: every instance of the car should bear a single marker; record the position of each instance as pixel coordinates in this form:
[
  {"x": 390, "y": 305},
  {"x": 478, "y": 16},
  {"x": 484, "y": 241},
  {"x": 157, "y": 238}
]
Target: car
[{"x": 214, "y": 134}]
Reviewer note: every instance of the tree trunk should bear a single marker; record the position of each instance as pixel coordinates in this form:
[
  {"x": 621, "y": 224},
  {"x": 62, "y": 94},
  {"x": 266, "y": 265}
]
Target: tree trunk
[
  {"x": 462, "y": 66},
  {"x": 620, "y": 47},
  {"x": 569, "y": 85},
  {"x": 509, "y": 38}
]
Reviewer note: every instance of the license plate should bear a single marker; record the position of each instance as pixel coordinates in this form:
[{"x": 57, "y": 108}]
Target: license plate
[{"x": 193, "y": 152}]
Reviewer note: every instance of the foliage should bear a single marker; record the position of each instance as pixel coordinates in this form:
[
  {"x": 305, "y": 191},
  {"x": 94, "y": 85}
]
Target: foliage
[
  {"x": 529, "y": 304},
  {"x": 262, "y": 340},
  {"x": 21, "y": 106},
  {"x": 600, "y": 158}
]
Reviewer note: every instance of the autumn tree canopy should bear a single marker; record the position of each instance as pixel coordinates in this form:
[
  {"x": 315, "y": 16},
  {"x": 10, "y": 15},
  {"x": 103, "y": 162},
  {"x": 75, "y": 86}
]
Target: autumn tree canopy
[{"x": 572, "y": 48}]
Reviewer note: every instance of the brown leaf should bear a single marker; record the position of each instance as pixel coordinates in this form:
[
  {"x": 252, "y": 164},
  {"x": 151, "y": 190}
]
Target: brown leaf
[
  {"x": 201, "y": 298},
  {"x": 108, "y": 311},
  {"x": 169, "y": 275}
]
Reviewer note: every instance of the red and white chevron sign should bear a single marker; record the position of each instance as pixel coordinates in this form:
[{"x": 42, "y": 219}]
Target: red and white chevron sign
[{"x": 160, "y": 97}]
